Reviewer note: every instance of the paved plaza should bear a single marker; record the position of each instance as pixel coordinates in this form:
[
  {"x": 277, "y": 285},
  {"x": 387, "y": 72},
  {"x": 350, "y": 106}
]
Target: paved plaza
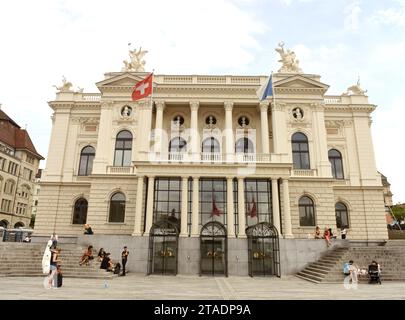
[{"x": 136, "y": 286}]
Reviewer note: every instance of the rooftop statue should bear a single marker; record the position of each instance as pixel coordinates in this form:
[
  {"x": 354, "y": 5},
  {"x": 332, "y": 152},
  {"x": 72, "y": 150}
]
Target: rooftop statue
[
  {"x": 355, "y": 89},
  {"x": 290, "y": 63},
  {"x": 65, "y": 87},
  {"x": 136, "y": 64}
]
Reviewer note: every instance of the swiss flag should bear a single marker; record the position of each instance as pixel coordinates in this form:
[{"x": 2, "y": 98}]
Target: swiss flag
[{"x": 143, "y": 88}]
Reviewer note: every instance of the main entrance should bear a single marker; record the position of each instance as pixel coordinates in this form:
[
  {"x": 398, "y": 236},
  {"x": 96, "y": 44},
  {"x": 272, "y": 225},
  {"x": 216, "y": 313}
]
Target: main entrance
[
  {"x": 214, "y": 251},
  {"x": 163, "y": 246},
  {"x": 263, "y": 250}
]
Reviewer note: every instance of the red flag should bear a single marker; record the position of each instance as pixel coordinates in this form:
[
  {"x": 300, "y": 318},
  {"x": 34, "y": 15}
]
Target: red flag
[
  {"x": 215, "y": 210},
  {"x": 143, "y": 88},
  {"x": 253, "y": 210}
]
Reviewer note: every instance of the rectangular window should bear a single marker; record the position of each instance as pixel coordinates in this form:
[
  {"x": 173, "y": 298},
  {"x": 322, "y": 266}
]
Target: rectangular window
[
  {"x": 235, "y": 205},
  {"x": 167, "y": 200},
  {"x": 27, "y": 174},
  {"x": 258, "y": 201},
  {"x": 2, "y": 163},
  {"x": 5, "y": 205},
  {"x": 12, "y": 168},
  {"x": 190, "y": 204},
  {"x": 213, "y": 201}
]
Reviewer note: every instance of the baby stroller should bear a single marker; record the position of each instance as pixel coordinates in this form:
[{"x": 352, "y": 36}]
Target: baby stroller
[{"x": 374, "y": 274}]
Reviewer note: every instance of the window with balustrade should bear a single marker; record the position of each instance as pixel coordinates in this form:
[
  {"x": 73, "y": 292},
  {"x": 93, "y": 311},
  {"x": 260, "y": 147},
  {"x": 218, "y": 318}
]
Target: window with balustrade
[
  {"x": 300, "y": 151},
  {"x": 123, "y": 149},
  {"x": 211, "y": 145},
  {"x": 244, "y": 145},
  {"x": 177, "y": 144},
  {"x": 86, "y": 161}
]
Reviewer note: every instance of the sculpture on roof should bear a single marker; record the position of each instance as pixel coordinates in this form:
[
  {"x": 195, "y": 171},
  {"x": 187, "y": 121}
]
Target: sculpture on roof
[
  {"x": 65, "y": 87},
  {"x": 289, "y": 62},
  {"x": 355, "y": 89},
  {"x": 136, "y": 64}
]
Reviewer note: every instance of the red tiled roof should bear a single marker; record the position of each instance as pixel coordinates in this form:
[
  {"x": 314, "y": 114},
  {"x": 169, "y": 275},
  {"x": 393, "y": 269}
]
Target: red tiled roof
[{"x": 12, "y": 135}]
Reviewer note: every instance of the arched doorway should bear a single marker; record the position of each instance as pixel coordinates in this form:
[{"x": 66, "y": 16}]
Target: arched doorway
[
  {"x": 163, "y": 245},
  {"x": 263, "y": 250},
  {"x": 214, "y": 249}
]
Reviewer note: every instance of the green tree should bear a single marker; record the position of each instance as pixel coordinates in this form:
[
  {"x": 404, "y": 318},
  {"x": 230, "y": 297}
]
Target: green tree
[{"x": 399, "y": 211}]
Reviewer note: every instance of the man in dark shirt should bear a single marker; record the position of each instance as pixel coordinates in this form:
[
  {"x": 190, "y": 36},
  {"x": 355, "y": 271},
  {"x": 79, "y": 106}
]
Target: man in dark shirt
[
  {"x": 124, "y": 256},
  {"x": 87, "y": 229}
]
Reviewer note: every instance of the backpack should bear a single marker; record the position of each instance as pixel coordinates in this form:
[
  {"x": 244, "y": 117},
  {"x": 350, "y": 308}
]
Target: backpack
[{"x": 346, "y": 268}]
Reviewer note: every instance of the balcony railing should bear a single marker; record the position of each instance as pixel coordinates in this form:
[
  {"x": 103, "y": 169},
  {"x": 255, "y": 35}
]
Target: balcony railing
[
  {"x": 208, "y": 157},
  {"x": 304, "y": 173},
  {"x": 120, "y": 170}
]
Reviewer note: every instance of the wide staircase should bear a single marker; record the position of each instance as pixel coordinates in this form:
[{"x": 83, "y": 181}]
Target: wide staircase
[
  {"x": 329, "y": 269},
  {"x": 19, "y": 259}
]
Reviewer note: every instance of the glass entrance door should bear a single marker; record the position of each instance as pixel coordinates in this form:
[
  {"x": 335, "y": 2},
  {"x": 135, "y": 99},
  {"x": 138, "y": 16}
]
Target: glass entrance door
[
  {"x": 163, "y": 244},
  {"x": 213, "y": 246}
]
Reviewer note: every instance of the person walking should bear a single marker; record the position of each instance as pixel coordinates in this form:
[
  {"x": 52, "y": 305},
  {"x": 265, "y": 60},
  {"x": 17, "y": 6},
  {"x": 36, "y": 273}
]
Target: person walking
[
  {"x": 124, "y": 256},
  {"x": 353, "y": 269}
]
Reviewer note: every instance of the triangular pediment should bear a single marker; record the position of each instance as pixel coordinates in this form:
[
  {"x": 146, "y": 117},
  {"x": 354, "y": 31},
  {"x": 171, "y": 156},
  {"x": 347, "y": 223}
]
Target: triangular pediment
[
  {"x": 122, "y": 79},
  {"x": 300, "y": 82}
]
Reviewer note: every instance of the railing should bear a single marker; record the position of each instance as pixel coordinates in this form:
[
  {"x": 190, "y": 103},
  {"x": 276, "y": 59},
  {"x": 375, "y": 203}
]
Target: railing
[
  {"x": 211, "y": 157},
  {"x": 120, "y": 170},
  {"x": 91, "y": 97},
  {"x": 333, "y": 100},
  {"x": 216, "y": 157},
  {"x": 304, "y": 172},
  {"x": 195, "y": 79}
]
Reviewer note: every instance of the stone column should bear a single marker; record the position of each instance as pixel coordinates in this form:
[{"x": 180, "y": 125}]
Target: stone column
[
  {"x": 184, "y": 202},
  {"x": 241, "y": 209},
  {"x": 229, "y": 143},
  {"x": 160, "y": 106},
  {"x": 195, "y": 209},
  {"x": 264, "y": 121},
  {"x": 145, "y": 127},
  {"x": 279, "y": 124},
  {"x": 194, "y": 134},
  {"x": 229, "y": 207},
  {"x": 149, "y": 206},
  {"x": 287, "y": 214},
  {"x": 275, "y": 204},
  {"x": 138, "y": 208}
]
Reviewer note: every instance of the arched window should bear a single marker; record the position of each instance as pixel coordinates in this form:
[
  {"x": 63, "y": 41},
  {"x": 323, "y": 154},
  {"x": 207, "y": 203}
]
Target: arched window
[
  {"x": 300, "y": 151},
  {"x": 244, "y": 145},
  {"x": 335, "y": 158},
  {"x": 19, "y": 225},
  {"x": 80, "y": 211},
  {"x": 4, "y": 223},
  {"x": 210, "y": 145},
  {"x": 307, "y": 211},
  {"x": 86, "y": 161},
  {"x": 117, "y": 208},
  {"x": 177, "y": 144},
  {"x": 123, "y": 149},
  {"x": 342, "y": 216}
]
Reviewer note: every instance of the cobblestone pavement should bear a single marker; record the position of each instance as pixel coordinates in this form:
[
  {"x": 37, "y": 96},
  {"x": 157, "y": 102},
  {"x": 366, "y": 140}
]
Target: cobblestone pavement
[{"x": 195, "y": 288}]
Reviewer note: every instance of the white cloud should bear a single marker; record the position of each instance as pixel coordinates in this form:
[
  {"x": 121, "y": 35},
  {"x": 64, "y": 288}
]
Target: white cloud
[
  {"x": 390, "y": 16},
  {"x": 352, "y": 16},
  {"x": 43, "y": 40}
]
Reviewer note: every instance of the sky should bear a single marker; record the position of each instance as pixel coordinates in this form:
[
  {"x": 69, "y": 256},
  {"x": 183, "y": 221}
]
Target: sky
[{"x": 40, "y": 41}]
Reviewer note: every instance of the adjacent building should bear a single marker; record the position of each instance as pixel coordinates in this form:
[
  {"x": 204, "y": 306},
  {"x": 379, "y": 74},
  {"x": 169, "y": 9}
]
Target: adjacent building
[
  {"x": 212, "y": 174},
  {"x": 19, "y": 163}
]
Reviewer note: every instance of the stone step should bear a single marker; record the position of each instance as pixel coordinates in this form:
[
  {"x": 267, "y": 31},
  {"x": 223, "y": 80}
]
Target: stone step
[
  {"x": 306, "y": 275},
  {"x": 316, "y": 270},
  {"x": 307, "y": 279}
]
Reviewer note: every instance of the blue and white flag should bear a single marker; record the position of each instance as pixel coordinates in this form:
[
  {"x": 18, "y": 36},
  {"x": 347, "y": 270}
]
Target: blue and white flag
[{"x": 268, "y": 91}]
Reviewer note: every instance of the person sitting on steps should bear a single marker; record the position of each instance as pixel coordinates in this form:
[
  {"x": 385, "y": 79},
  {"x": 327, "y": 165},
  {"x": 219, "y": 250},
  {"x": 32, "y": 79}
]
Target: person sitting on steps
[{"x": 87, "y": 256}]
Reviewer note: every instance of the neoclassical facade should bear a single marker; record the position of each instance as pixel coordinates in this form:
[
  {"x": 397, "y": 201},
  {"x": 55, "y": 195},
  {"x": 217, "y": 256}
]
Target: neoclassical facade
[{"x": 205, "y": 157}]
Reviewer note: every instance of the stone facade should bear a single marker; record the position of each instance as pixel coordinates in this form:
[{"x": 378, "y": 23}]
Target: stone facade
[
  {"x": 212, "y": 127},
  {"x": 19, "y": 163}
]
